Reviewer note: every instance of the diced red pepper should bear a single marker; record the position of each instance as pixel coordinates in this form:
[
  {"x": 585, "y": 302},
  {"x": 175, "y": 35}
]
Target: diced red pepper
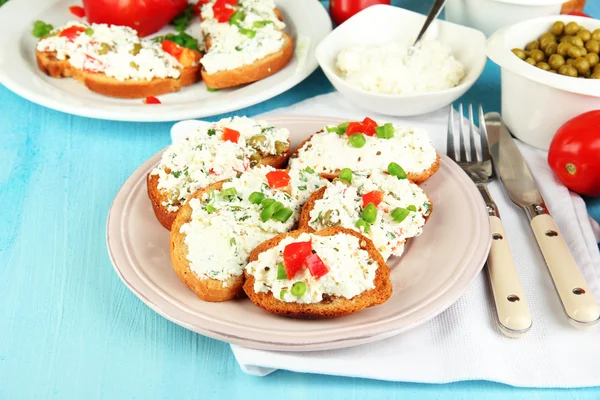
[
  {"x": 278, "y": 179},
  {"x": 223, "y": 9},
  {"x": 374, "y": 197},
  {"x": 230, "y": 135},
  {"x": 369, "y": 126},
  {"x": 152, "y": 100},
  {"x": 172, "y": 48},
  {"x": 294, "y": 256},
  {"x": 77, "y": 11},
  {"x": 316, "y": 266},
  {"x": 72, "y": 32},
  {"x": 354, "y": 127}
]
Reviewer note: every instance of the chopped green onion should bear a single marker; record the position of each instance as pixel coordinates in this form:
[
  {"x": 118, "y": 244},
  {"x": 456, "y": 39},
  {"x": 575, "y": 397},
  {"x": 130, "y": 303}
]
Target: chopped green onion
[
  {"x": 261, "y": 24},
  {"x": 283, "y": 215},
  {"x": 346, "y": 175},
  {"x": 41, "y": 29},
  {"x": 237, "y": 17},
  {"x": 232, "y": 242},
  {"x": 369, "y": 213},
  {"x": 361, "y": 223},
  {"x": 386, "y": 131},
  {"x": 333, "y": 129},
  {"x": 228, "y": 193},
  {"x": 412, "y": 208},
  {"x": 277, "y": 206},
  {"x": 89, "y": 31},
  {"x": 211, "y": 89},
  {"x": 282, "y": 293},
  {"x": 298, "y": 289},
  {"x": 267, "y": 213},
  {"x": 248, "y": 32},
  {"x": 396, "y": 170},
  {"x": 267, "y": 202},
  {"x": 400, "y": 214},
  {"x": 343, "y": 127},
  {"x": 357, "y": 140},
  {"x": 182, "y": 21},
  {"x": 281, "y": 274},
  {"x": 210, "y": 209},
  {"x": 256, "y": 197}
]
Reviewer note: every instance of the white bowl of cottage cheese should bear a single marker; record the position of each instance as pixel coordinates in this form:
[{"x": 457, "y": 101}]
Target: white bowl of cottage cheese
[{"x": 366, "y": 59}]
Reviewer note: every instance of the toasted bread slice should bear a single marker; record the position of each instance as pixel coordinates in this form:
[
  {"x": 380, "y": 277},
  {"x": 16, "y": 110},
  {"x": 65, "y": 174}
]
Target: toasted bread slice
[
  {"x": 159, "y": 197},
  {"x": 253, "y": 72},
  {"x": 109, "y": 86},
  {"x": 412, "y": 176},
  {"x": 209, "y": 289},
  {"x": 331, "y": 306}
]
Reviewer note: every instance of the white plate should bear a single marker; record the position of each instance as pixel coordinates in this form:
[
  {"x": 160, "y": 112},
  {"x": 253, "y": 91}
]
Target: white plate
[
  {"x": 436, "y": 269},
  {"x": 307, "y": 22}
]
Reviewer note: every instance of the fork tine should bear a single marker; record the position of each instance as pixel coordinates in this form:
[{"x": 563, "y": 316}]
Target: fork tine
[
  {"x": 485, "y": 150},
  {"x": 461, "y": 133},
  {"x": 472, "y": 135},
  {"x": 450, "y": 149}
]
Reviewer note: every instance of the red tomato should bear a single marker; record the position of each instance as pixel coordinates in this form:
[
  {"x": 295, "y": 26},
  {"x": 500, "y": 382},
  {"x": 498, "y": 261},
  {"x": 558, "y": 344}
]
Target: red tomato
[
  {"x": 77, "y": 11},
  {"x": 294, "y": 255},
  {"x": 341, "y": 10},
  {"x": 369, "y": 126},
  {"x": 152, "y": 100},
  {"x": 172, "y": 48},
  {"x": 72, "y": 32},
  {"x": 316, "y": 266},
  {"x": 223, "y": 9},
  {"x": 145, "y": 16},
  {"x": 230, "y": 135},
  {"x": 374, "y": 197},
  {"x": 574, "y": 154},
  {"x": 354, "y": 127},
  {"x": 278, "y": 179}
]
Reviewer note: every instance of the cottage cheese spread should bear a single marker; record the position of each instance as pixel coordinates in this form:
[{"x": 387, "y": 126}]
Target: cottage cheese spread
[
  {"x": 328, "y": 152},
  {"x": 351, "y": 269},
  {"x": 229, "y": 47},
  {"x": 387, "y": 68},
  {"x": 342, "y": 205},
  {"x": 205, "y": 158},
  {"x": 223, "y": 231},
  {"x": 115, "y": 51}
]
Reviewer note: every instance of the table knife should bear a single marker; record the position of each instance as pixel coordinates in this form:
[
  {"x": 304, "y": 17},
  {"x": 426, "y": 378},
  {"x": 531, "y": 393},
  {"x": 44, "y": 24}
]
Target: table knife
[{"x": 575, "y": 296}]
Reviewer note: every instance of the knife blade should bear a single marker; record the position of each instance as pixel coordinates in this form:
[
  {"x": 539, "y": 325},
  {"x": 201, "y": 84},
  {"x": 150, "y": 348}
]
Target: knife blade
[{"x": 572, "y": 289}]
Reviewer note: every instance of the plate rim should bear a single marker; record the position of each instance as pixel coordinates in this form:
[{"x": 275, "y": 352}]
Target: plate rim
[
  {"x": 306, "y": 66},
  {"x": 476, "y": 263}
]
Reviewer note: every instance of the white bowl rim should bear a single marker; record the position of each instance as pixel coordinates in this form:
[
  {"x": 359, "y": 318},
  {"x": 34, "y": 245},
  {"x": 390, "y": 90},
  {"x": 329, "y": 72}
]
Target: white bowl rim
[
  {"x": 499, "y": 53},
  {"x": 530, "y": 3},
  {"x": 477, "y": 68}
]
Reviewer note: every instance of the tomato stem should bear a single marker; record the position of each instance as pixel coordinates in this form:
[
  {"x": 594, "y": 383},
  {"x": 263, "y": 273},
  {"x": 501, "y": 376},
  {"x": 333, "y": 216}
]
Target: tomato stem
[{"x": 571, "y": 168}]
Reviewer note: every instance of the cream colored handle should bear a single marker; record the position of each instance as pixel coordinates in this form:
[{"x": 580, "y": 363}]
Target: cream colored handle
[
  {"x": 513, "y": 313},
  {"x": 570, "y": 284}
]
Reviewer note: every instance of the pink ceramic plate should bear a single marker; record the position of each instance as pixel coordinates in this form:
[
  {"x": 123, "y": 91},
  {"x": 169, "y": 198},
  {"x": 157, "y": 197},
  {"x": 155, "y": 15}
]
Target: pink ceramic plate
[{"x": 436, "y": 269}]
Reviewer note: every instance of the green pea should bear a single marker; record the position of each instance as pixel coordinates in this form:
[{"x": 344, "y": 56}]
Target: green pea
[
  {"x": 346, "y": 175},
  {"x": 396, "y": 170},
  {"x": 298, "y": 289},
  {"x": 357, "y": 140},
  {"x": 280, "y": 147},
  {"x": 256, "y": 197},
  {"x": 369, "y": 213},
  {"x": 282, "y": 294},
  {"x": 400, "y": 214}
]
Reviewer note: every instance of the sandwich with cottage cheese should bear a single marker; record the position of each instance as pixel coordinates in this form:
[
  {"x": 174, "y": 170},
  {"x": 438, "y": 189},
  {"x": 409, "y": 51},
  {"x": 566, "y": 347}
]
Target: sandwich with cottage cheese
[
  {"x": 218, "y": 227},
  {"x": 387, "y": 208},
  {"x": 114, "y": 61},
  {"x": 328, "y": 273},
  {"x": 211, "y": 153},
  {"x": 245, "y": 42},
  {"x": 368, "y": 146}
]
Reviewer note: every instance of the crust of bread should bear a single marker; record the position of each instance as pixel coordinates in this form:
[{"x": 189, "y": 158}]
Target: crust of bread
[
  {"x": 333, "y": 306},
  {"x": 109, "y": 86},
  {"x": 256, "y": 71},
  {"x": 158, "y": 197},
  {"x": 304, "y": 220},
  {"x": 212, "y": 290},
  {"x": 417, "y": 178}
]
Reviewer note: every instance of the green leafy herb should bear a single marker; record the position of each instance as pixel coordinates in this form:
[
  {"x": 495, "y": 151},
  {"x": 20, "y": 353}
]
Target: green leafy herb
[
  {"x": 182, "y": 21},
  {"x": 41, "y": 29},
  {"x": 302, "y": 187},
  {"x": 182, "y": 39},
  {"x": 391, "y": 235},
  {"x": 176, "y": 174},
  {"x": 245, "y": 217},
  {"x": 210, "y": 209},
  {"x": 309, "y": 170},
  {"x": 211, "y": 132}
]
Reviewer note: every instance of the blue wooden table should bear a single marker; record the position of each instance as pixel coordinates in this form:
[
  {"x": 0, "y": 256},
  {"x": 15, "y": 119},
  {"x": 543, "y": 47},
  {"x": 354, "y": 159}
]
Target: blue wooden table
[{"x": 69, "y": 329}]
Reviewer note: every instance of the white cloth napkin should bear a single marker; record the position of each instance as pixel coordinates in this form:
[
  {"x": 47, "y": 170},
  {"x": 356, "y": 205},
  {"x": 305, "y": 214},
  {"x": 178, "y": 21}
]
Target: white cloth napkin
[{"x": 463, "y": 342}]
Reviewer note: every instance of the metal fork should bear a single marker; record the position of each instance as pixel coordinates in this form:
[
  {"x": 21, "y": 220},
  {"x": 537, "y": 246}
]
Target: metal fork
[{"x": 512, "y": 311}]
